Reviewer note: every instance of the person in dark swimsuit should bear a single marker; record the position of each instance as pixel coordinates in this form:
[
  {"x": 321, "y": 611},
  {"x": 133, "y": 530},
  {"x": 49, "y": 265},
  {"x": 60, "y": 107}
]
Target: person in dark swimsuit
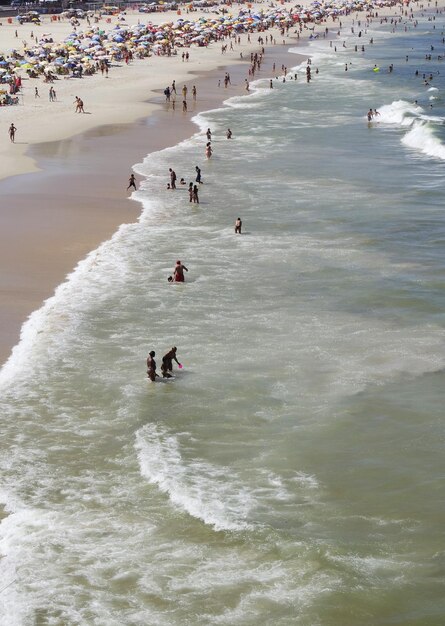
[
  {"x": 151, "y": 366},
  {"x": 167, "y": 363},
  {"x": 195, "y": 194},
  {"x": 178, "y": 272},
  {"x": 131, "y": 182}
]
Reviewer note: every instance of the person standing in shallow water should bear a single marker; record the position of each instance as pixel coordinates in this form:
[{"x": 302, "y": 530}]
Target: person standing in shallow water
[
  {"x": 167, "y": 363},
  {"x": 195, "y": 194},
  {"x": 151, "y": 366},
  {"x": 178, "y": 272},
  {"x": 238, "y": 225},
  {"x": 172, "y": 178}
]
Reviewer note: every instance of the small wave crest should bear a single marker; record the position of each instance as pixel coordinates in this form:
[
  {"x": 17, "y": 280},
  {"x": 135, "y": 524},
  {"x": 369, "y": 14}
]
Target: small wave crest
[
  {"x": 205, "y": 491},
  {"x": 420, "y": 136},
  {"x": 399, "y": 112}
]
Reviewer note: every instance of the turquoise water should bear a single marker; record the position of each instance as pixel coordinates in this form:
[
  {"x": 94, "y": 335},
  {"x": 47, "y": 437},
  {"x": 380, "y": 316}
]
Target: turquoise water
[{"x": 292, "y": 473}]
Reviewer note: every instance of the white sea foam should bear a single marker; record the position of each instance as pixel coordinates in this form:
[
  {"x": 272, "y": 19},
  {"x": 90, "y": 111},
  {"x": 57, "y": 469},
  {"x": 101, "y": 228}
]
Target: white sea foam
[
  {"x": 207, "y": 492},
  {"x": 399, "y": 112},
  {"x": 421, "y": 137}
]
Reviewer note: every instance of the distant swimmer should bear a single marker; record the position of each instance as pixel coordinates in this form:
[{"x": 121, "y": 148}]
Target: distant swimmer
[
  {"x": 209, "y": 134},
  {"x": 151, "y": 366},
  {"x": 178, "y": 272},
  {"x": 370, "y": 115},
  {"x": 209, "y": 150},
  {"x": 238, "y": 225},
  {"x": 131, "y": 182},
  {"x": 167, "y": 363},
  {"x": 229, "y": 134}
]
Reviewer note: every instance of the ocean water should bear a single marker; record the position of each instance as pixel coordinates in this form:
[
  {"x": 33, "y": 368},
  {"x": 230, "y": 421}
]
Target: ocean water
[{"x": 292, "y": 472}]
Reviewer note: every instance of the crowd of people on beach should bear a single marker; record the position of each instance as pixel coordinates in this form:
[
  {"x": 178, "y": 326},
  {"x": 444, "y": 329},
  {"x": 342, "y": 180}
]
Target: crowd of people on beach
[{"x": 97, "y": 48}]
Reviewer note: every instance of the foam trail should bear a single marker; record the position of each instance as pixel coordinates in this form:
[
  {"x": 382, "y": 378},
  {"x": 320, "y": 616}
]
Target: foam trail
[
  {"x": 421, "y": 137},
  {"x": 200, "y": 489},
  {"x": 399, "y": 112}
]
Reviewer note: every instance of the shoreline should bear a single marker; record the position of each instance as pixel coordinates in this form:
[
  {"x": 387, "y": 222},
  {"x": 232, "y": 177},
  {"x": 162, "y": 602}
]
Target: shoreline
[{"x": 57, "y": 218}]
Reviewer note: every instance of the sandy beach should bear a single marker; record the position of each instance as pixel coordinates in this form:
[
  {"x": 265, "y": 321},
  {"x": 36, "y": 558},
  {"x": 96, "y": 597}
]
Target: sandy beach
[{"x": 64, "y": 179}]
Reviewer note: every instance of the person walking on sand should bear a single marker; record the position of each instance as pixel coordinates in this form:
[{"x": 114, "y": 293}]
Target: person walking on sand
[
  {"x": 36, "y": 92},
  {"x": 178, "y": 272},
  {"x": 151, "y": 366},
  {"x": 238, "y": 225},
  {"x": 12, "y": 131},
  {"x": 194, "y": 92},
  {"x": 131, "y": 182}
]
